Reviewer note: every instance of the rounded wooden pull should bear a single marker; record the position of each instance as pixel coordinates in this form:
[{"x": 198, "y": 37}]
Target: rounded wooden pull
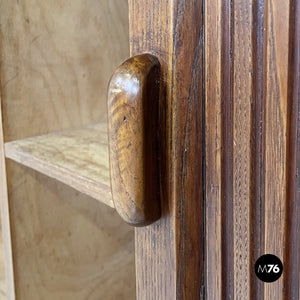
[{"x": 133, "y": 133}]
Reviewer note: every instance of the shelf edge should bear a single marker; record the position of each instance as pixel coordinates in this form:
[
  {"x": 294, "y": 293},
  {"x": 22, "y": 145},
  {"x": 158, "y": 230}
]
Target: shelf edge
[{"x": 96, "y": 190}]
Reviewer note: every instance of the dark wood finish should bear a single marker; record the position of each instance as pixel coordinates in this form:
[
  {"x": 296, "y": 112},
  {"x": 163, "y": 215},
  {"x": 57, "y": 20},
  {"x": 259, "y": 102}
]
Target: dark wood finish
[
  {"x": 251, "y": 146},
  {"x": 228, "y": 157},
  {"x": 169, "y": 253},
  {"x": 133, "y": 133},
  {"x": 291, "y": 284}
]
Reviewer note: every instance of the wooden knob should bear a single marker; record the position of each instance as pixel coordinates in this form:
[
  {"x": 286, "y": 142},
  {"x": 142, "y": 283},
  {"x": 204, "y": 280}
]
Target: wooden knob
[{"x": 133, "y": 133}]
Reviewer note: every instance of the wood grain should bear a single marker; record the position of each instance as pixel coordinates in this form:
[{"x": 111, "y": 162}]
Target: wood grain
[
  {"x": 250, "y": 89},
  {"x": 276, "y": 72},
  {"x": 3, "y": 285},
  {"x": 291, "y": 284},
  {"x": 67, "y": 245},
  {"x": 169, "y": 256},
  {"x": 77, "y": 157},
  {"x": 5, "y": 221},
  {"x": 56, "y": 59},
  {"x": 213, "y": 143},
  {"x": 257, "y": 144},
  {"x": 240, "y": 143},
  {"x": 57, "y": 56},
  {"x": 133, "y": 133},
  {"x": 252, "y": 113}
]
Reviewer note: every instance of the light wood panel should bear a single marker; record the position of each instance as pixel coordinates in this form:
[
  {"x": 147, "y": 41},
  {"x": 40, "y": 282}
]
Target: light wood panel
[
  {"x": 5, "y": 220},
  {"x": 78, "y": 158},
  {"x": 240, "y": 147},
  {"x": 56, "y": 60},
  {"x": 67, "y": 245},
  {"x": 213, "y": 143},
  {"x": 3, "y": 285},
  {"x": 275, "y": 133}
]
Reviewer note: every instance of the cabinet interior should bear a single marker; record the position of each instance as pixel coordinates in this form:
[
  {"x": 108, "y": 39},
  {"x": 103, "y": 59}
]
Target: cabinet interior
[{"x": 56, "y": 60}]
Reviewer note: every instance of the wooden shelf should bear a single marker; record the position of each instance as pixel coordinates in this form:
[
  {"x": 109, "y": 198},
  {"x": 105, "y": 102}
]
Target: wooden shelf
[{"x": 78, "y": 158}]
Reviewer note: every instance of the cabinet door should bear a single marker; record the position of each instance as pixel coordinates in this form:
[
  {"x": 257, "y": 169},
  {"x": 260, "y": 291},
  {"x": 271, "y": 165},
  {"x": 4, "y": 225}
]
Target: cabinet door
[
  {"x": 252, "y": 146},
  {"x": 230, "y": 165},
  {"x": 170, "y": 252}
]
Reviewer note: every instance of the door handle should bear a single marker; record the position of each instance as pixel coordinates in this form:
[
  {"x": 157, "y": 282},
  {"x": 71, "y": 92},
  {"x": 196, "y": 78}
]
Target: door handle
[{"x": 133, "y": 134}]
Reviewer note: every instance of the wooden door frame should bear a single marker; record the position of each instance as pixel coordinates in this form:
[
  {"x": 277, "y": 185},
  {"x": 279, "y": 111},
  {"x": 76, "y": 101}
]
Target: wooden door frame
[
  {"x": 170, "y": 253},
  {"x": 223, "y": 146}
]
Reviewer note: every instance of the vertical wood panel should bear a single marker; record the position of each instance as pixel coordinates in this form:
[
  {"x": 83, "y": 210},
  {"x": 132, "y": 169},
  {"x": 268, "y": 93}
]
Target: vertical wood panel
[
  {"x": 187, "y": 152},
  {"x": 155, "y": 244},
  {"x": 169, "y": 253},
  {"x": 242, "y": 98},
  {"x": 276, "y": 134},
  {"x": 292, "y": 229},
  {"x": 227, "y": 204},
  {"x": 5, "y": 219},
  {"x": 253, "y": 122},
  {"x": 214, "y": 287},
  {"x": 257, "y": 145},
  {"x": 228, "y": 122}
]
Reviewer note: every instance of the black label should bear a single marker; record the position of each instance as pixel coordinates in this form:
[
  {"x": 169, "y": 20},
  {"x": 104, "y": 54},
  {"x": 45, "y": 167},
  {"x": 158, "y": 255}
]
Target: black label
[{"x": 268, "y": 268}]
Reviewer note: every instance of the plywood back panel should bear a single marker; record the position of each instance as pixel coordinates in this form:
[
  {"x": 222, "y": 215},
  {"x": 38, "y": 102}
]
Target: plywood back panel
[
  {"x": 56, "y": 60},
  {"x": 66, "y": 245}
]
